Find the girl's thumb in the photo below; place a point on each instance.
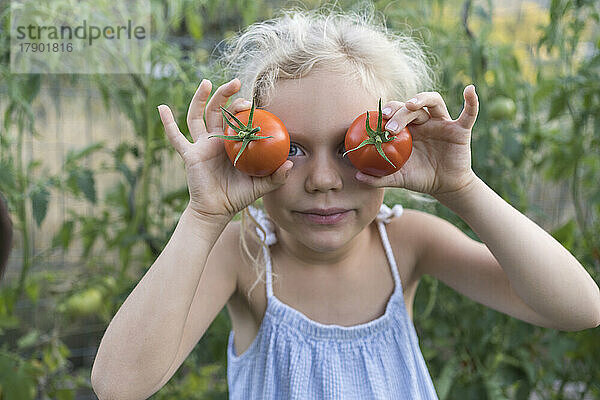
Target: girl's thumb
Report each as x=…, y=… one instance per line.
x=276, y=179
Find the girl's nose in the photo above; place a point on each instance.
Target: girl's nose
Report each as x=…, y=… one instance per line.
x=324, y=175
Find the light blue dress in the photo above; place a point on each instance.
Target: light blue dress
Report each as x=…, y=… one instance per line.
x=294, y=357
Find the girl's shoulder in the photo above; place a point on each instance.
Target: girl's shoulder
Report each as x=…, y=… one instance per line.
x=400, y=231
x=411, y=223
x=409, y=234
x=435, y=242
x=404, y=226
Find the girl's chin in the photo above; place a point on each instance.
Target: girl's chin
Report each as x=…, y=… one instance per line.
x=323, y=241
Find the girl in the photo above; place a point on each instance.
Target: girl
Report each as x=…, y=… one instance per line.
x=337, y=269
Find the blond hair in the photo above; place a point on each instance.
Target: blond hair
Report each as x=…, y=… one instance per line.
x=356, y=44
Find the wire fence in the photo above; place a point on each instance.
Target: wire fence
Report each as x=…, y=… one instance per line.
x=72, y=118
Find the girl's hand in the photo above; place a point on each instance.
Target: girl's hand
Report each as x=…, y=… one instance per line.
x=440, y=161
x=217, y=189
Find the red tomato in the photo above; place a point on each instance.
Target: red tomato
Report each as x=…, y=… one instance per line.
x=367, y=158
x=258, y=152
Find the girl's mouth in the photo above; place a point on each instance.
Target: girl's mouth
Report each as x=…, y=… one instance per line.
x=328, y=219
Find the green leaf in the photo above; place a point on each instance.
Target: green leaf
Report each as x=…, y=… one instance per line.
x=31, y=88
x=493, y=387
x=557, y=106
x=180, y=194
x=74, y=155
x=29, y=340
x=104, y=92
x=32, y=289
x=39, y=202
x=7, y=176
x=64, y=235
x=566, y=234
x=64, y=394
x=193, y=21
x=33, y=166
x=15, y=383
x=125, y=100
x=86, y=183
x=446, y=378
x=8, y=115
x=89, y=233
x=121, y=166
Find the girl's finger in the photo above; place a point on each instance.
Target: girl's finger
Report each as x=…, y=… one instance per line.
x=393, y=180
x=433, y=101
x=214, y=118
x=179, y=142
x=469, y=113
x=404, y=116
x=239, y=105
x=390, y=108
x=195, y=116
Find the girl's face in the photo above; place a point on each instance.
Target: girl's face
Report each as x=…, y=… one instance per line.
x=317, y=110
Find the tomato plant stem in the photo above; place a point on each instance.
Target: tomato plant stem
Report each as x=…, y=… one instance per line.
x=376, y=137
x=245, y=133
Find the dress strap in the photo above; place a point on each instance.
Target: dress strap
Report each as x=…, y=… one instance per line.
x=269, y=280
x=267, y=233
x=385, y=216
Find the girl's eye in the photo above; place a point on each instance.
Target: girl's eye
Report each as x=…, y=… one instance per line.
x=294, y=150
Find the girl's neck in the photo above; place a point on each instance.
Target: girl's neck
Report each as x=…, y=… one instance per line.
x=296, y=253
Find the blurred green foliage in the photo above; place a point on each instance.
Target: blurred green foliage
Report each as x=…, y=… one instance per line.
x=537, y=76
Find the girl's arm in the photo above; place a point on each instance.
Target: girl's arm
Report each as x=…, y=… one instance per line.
x=194, y=276
x=544, y=275
x=520, y=270
x=149, y=337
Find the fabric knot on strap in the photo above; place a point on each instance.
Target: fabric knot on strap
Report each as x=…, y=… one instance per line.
x=260, y=217
x=386, y=214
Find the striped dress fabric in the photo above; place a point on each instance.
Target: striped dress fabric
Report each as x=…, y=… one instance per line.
x=294, y=357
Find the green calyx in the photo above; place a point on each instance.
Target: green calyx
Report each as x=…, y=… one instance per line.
x=245, y=133
x=376, y=137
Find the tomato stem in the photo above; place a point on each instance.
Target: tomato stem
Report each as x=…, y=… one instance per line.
x=245, y=133
x=376, y=137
